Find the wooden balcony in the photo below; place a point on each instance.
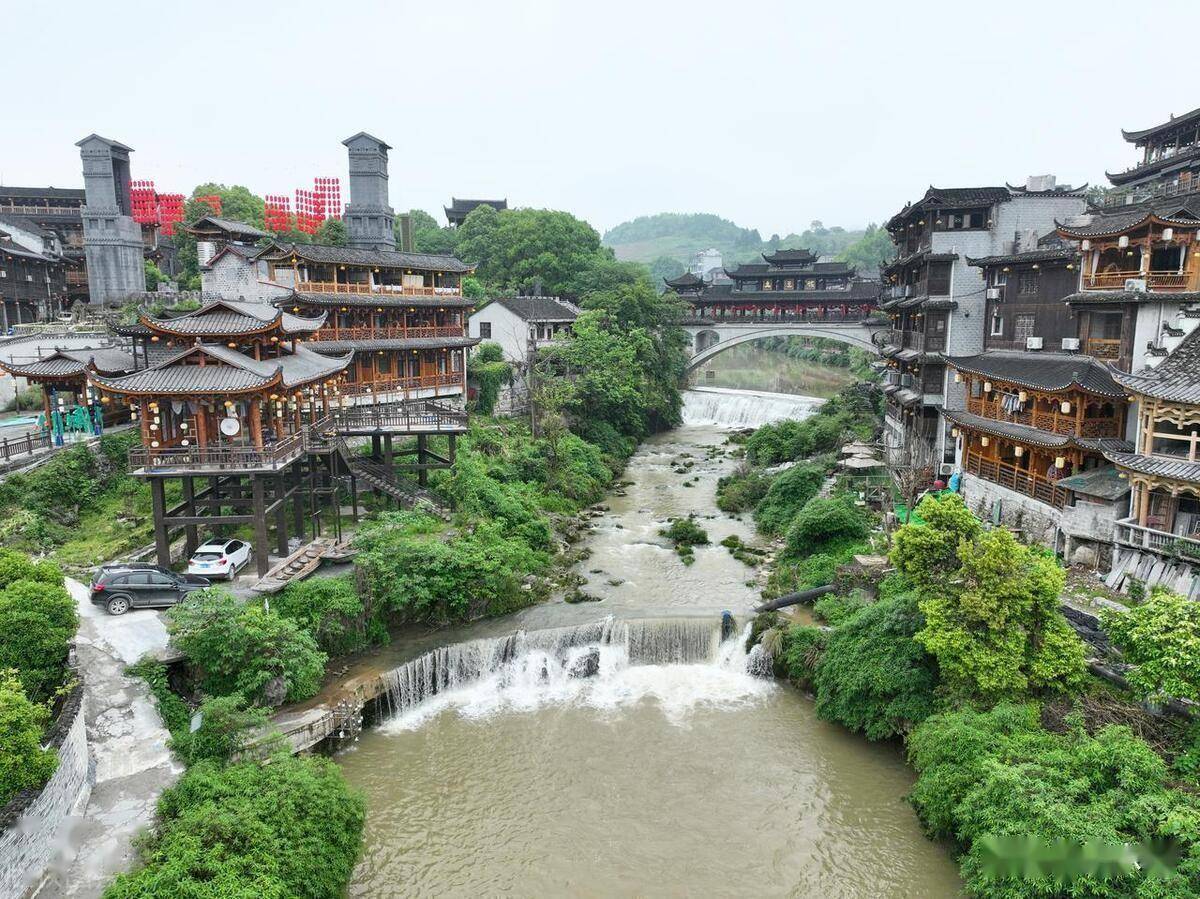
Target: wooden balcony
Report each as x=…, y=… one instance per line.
x=1028, y=483
x=403, y=384
x=1054, y=422
x=396, y=290
x=166, y=459
x=389, y=332
x=1154, y=280
x=1130, y=533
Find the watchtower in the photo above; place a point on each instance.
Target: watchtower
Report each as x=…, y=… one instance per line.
x=112, y=240
x=368, y=216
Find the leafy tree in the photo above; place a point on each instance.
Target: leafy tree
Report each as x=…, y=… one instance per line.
x=873, y=676
x=604, y=274
x=291, y=828
x=242, y=648
x=869, y=251
x=154, y=275
x=332, y=612
x=825, y=521
x=665, y=268
x=428, y=236
x=928, y=556
x=224, y=723
x=39, y=624
x=1160, y=640
x=238, y=204
x=332, y=232
x=788, y=493
x=24, y=765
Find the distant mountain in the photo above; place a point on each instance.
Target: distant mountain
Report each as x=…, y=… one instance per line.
x=674, y=237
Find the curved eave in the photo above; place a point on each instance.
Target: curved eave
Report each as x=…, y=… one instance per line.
x=115, y=387
x=30, y=371
x=161, y=326
x=340, y=363
x=1041, y=388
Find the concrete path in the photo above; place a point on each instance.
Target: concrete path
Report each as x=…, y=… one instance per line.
x=128, y=744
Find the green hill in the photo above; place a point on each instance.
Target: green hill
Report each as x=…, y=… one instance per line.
x=671, y=237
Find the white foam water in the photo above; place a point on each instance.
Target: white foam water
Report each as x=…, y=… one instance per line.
x=725, y=408
x=678, y=664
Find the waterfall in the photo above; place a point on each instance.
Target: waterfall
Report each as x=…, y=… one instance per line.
x=679, y=662
x=743, y=408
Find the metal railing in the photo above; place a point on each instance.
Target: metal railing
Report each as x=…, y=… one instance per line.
x=1026, y=482
x=25, y=445
x=1165, y=543
x=383, y=289
x=1054, y=422
x=800, y=318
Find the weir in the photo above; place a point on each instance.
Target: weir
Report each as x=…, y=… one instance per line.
x=726, y=408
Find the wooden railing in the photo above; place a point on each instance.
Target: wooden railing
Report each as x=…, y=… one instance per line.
x=383, y=289
x=38, y=210
x=24, y=445
x=1053, y=422
x=1131, y=533
x=388, y=332
x=221, y=458
x=389, y=385
x=1154, y=280
x=421, y=416
x=1026, y=482
x=1104, y=347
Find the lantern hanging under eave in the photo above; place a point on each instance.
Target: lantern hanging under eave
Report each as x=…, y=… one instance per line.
x=954, y=432
x=987, y=386
x=1065, y=407
x=1018, y=451
x=1022, y=396
x=1123, y=241
x=958, y=377
x=984, y=441
x=1060, y=461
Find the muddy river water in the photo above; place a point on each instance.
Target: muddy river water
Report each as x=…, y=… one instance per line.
x=622, y=747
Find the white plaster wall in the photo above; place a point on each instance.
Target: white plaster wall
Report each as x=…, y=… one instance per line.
x=509, y=330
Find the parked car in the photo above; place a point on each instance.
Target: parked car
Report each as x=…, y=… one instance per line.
x=119, y=588
x=219, y=558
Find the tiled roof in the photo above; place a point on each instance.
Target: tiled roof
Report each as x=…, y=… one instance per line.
x=1183, y=211
x=1173, y=122
x=1042, y=371
x=859, y=291
x=336, y=347
x=687, y=280
x=920, y=256
x=320, y=253
x=1049, y=255
x=230, y=318
x=1117, y=297
x=387, y=300
x=1104, y=482
x=1185, y=158
x=53, y=193
x=228, y=371
x=1029, y=435
x=67, y=363
x=16, y=249
x=1175, y=379
x=540, y=309
x=1157, y=466
x=241, y=229
x=782, y=257
x=462, y=208
x=763, y=269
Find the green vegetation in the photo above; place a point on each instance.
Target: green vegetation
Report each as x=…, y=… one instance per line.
x=488, y=371
x=24, y=765
x=1160, y=639
x=686, y=535
x=854, y=414
x=331, y=611
x=788, y=493
x=824, y=522
x=288, y=829
x=237, y=647
x=742, y=490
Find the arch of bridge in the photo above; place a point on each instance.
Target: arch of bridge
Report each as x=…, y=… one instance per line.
x=855, y=334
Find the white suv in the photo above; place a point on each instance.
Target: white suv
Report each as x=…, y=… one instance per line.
x=219, y=558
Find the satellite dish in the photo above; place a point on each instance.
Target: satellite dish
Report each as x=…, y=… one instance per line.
x=230, y=427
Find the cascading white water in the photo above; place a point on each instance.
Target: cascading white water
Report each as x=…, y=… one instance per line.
x=680, y=663
x=743, y=408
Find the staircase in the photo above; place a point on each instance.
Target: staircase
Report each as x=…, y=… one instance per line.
x=380, y=477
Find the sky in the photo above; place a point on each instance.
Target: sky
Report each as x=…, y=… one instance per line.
x=772, y=114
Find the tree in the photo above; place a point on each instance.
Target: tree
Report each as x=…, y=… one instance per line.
x=154, y=275
x=665, y=268
x=870, y=251
x=243, y=648
x=825, y=521
x=928, y=555
x=238, y=204
x=428, y=236
x=24, y=765
x=332, y=232
x=1160, y=639
x=787, y=495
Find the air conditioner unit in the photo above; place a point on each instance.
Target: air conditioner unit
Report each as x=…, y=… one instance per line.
x=1135, y=285
x=946, y=468
x=3, y=273
x=1070, y=343
x=29, y=278
x=1033, y=343
x=994, y=293
x=906, y=380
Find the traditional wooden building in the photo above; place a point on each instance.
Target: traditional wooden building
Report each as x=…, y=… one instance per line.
x=59, y=211
x=458, y=210
x=69, y=402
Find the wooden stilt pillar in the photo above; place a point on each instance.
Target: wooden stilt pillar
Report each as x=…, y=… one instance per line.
x=281, y=530
x=158, y=502
x=453, y=447
x=190, y=541
x=422, y=449
x=262, y=551
x=298, y=502
x=354, y=499
x=376, y=451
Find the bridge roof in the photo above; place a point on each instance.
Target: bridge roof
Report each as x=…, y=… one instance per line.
x=859, y=291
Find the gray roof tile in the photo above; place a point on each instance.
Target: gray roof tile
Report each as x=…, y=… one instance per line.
x=1042, y=371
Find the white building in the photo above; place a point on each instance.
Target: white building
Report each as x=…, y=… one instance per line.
x=520, y=324
x=705, y=263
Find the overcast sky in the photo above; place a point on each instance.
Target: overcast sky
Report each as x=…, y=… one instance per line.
x=771, y=114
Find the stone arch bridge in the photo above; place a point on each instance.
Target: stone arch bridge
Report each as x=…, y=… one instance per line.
x=710, y=337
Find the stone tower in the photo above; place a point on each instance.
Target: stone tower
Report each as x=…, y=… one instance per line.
x=368, y=216
x=112, y=240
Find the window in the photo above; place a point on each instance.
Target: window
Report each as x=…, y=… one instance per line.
x=1023, y=327
x=138, y=578
x=485, y=329
x=999, y=279
x=997, y=329
x=158, y=579
x=1028, y=283
x=383, y=363
x=939, y=278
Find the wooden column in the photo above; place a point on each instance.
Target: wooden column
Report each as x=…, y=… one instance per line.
x=143, y=415
x=256, y=422
x=1143, y=503
x=422, y=448
x=202, y=429
x=190, y=541
x=262, y=553
x=281, y=534
x=158, y=502
x=298, y=499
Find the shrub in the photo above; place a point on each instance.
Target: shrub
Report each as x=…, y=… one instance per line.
x=927, y=554
x=291, y=828
x=243, y=648
x=825, y=521
x=742, y=491
x=477, y=495
x=1160, y=639
x=332, y=612
x=686, y=535
x=787, y=495
x=873, y=677
x=834, y=609
x=39, y=622
x=224, y=723
x=802, y=648
x=24, y=765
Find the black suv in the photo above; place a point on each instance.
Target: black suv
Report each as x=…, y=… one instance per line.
x=120, y=588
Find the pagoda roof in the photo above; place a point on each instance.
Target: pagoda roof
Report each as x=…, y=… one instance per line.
x=226, y=372
x=72, y=363
x=860, y=291
x=1053, y=372
x=229, y=226
x=1035, y=436
x=770, y=270
x=1157, y=466
x=1174, y=379
x=1173, y=122
x=1167, y=163
x=464, y=207
x=231, y=318
x=386, y=300
x=325, y=254
x=686, y=281
x=1053, y=254
x=1178, y=212
x=337, y=347
x=784, y=257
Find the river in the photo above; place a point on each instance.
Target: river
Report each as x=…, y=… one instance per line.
x=671, y=770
